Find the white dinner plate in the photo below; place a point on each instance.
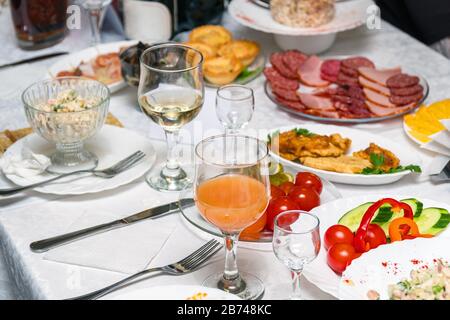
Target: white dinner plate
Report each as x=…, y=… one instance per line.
x=386, y=265
x=349, y=15
x=72, y=60
x=180, y=292
x=360, y=140
x=111, y=145
x=329, y=214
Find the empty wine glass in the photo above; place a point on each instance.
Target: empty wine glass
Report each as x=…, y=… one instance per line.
x=234, y=107
x=296, y=242
x=96, y=10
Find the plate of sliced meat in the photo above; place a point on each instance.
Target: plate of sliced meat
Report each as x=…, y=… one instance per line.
x=341, y=89
x=101, y=63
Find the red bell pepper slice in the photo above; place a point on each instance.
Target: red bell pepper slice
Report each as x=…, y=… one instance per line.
x=359, y=241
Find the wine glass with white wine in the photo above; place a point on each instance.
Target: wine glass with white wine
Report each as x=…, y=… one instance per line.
x=171, y=93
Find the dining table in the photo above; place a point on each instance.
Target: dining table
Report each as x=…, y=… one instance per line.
x=100, y=260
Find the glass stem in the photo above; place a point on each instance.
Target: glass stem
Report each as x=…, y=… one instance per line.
x=231, y=281
x=231, y=270
x=296, y=293
x=95, y=20
x=172, y=168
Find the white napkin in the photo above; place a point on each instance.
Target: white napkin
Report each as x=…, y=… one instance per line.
x=127, y=250
x=25, y=165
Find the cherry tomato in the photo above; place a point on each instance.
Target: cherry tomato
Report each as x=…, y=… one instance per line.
x=375, y=236
x=340, y=255
x=277, y=206
x=276, y=192
x=337, y=234
x=309, y=180
x=306, y=198
x=286, y=187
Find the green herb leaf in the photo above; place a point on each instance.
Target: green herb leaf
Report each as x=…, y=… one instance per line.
x=436, y=289
x=303, y=132
x=377, y=159
x=377, y=170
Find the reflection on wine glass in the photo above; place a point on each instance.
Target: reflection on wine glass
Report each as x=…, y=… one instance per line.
x=296, y=242
x=171, y=92
x=231, y=191
x=234, y=107
x=96, y=10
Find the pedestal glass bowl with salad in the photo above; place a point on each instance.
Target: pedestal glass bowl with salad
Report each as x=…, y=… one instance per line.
x=67, y=111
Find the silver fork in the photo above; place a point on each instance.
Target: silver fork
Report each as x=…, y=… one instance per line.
x=185, y=266
x=107, y=173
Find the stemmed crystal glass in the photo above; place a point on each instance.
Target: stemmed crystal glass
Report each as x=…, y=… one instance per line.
x=171, y=93
x=232, y=191
x=235, y=105
x=296, y=242
x=96, y=10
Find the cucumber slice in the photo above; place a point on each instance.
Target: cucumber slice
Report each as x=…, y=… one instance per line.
x=384, y=215
x=433, y=220
x=352, y=219
x=415, y=205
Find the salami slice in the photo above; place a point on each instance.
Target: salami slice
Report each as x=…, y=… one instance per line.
x=293, y=59
x=402, y=100
x=356, y=92
x=350, y=72
x=357, y=62
x=408, y=91
x=285, y=94
x=402, y=80
x=359, y=109
x=343, y=79
x=276, y=59
x=331, y=67
x=277, y=80
x=328, y=78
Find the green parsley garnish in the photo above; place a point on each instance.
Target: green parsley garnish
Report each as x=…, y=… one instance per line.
x=378, y=160
x=303, y=132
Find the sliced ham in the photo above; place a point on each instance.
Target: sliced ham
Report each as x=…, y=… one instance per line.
x=314, y=102
x=378, y=76
x=374, y=86
x=379, y=99
x=309, y=72
x=382, y=112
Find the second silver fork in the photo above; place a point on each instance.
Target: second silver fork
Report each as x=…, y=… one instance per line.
x=107, y=173
x=187, y=265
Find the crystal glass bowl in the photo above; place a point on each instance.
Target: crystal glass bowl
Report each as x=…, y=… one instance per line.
x=67, y=129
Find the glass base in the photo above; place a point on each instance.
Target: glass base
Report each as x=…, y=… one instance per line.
x=69, y=162
x=164, y=182
x=248, y=288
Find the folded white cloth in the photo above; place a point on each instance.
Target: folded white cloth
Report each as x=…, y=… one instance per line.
x=25, y=165
x=127, y=250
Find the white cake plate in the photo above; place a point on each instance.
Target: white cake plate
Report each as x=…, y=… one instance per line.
x=349, y=15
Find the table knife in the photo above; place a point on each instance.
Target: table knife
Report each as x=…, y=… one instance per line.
x=33, y=59
x=50, y=243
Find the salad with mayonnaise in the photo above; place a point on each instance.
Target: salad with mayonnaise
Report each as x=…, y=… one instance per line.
x=431, y=283
x=69, y=101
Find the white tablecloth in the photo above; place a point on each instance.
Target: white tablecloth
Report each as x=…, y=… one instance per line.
x=34, y=277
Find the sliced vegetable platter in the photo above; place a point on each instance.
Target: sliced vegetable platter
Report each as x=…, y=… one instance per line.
x=431, y=217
